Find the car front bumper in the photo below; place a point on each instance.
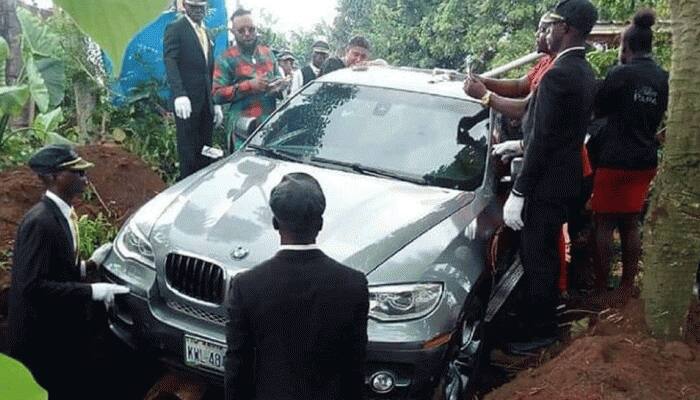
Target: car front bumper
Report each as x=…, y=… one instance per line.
x=415, y=369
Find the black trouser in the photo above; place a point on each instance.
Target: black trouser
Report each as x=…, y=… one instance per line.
x=193, y=133
x=539, y=252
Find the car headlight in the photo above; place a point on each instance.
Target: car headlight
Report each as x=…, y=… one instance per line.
x=132, y=244
x=391, y=303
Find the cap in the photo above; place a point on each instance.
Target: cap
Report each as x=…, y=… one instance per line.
x=581, y=14
x=57, y=157
x=321, y=46
x=285, y=55
x=548, y=19
x=196, y=2
x=297, y=201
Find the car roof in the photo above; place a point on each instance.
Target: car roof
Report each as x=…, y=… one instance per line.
x=438, y=82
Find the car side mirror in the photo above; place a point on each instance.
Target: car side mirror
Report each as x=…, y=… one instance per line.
x=244, y=127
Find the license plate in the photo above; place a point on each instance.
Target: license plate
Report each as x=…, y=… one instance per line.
x=204, y=353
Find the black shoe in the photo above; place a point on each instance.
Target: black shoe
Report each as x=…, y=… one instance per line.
x=530, y=347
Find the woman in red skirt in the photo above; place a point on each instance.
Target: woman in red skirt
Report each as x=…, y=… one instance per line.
x=633, y=98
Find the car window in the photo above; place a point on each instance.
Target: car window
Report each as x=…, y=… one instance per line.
x=442, y=140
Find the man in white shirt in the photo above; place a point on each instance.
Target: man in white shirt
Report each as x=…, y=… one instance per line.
x=310, y=72
x=48, y=325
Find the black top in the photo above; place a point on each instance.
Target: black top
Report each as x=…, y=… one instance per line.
x=297, y=330
x=188, y=72
x=554, y=128
x=308, y=75
x=634, y=98
x=331, y=65
x=47, y=303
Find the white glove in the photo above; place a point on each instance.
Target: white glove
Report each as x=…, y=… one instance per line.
x=105, y=292
x=513, y=212
x=508, y=149
x=100, y=254
x=183, y=108
x=218, y=115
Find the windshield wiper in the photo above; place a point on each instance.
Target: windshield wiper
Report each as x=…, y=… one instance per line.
x=365, y=170
x=275, y=153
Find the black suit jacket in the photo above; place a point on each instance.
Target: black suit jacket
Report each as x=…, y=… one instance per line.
x=297, y=330
x=47, y=303
x=554, y=128
x=188, y=72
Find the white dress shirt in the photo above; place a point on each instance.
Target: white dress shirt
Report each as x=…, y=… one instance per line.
x=66, y=211
x=299, y=247
x=298, y=78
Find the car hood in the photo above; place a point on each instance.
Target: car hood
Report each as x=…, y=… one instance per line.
x=367, y=219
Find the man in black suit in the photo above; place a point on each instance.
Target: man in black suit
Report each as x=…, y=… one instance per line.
x=310, y=72
x=298, y=322
x=551, y=178
x=189, y=65
x=48, y=327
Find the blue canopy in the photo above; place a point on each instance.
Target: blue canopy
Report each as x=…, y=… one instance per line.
x=143, y=60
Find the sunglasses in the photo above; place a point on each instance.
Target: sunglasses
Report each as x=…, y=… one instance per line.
x=80, y=172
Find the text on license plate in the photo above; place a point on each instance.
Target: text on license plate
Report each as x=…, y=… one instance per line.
x=204, y=353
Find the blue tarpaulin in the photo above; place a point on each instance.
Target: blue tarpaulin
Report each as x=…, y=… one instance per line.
x=143, y=60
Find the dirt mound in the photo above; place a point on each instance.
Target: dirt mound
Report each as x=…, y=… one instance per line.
x=123, y=183
x=615, y=360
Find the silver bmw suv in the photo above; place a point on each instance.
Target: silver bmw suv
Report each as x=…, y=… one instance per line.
x=402, y=156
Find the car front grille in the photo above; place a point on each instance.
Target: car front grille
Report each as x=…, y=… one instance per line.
x=195, y=278
x=198, y=313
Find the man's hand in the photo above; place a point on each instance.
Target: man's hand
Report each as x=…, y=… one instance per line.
x=508, y=149
x=513, y=211
x=183, y=108
x=105, y=292
x=278, y=85
x=259, y=85
x=473, y=87
x=218, y=115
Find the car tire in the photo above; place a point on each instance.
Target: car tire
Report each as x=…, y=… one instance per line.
x=467, y=356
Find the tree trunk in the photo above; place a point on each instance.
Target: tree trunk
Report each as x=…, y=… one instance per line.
x=10, y=31
x=672, y=229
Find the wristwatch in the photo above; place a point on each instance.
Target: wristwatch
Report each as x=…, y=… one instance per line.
x=486, y=99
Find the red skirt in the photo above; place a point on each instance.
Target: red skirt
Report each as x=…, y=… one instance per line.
x=619, y=190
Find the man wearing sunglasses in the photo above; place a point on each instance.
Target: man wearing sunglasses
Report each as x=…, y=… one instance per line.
x=246, y=76
x=49, y=299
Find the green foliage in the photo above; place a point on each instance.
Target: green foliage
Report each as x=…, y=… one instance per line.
x=602, y=61
x=41, y=82
x=4, y=53
x=53, y=73
x=37, y=85
x=268, y=35
x=16, y=150
x=36, y=36
x=442, y=33
x=94, y=232
x=112, y=23
x=300, y=41
x=622, y=10
x=148, y=129
x=23, y=386
x=354, y=18
x=12, y=99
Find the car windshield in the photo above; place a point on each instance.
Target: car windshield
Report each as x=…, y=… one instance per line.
x=417, y=137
